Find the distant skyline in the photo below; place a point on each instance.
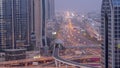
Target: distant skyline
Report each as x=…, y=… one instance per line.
x=82, y=6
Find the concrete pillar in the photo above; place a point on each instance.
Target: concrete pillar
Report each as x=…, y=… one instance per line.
x=59, y=64
x=44, y=61
x=26, y=64
x=56, y=63
x=66, y=66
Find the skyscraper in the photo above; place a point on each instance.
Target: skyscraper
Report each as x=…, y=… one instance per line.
x=40, y=23
x=50, y=9
x=110, y=30
x=39, y=10
x=44, y=16
x=21, y=22
x=15, y=20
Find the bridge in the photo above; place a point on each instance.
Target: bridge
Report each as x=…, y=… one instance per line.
x=67, y=62
x=82, y=47
x=25, y=61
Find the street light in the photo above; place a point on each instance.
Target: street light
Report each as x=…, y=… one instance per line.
x=54, y=33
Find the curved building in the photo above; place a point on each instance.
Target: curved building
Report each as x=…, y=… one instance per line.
x=110, y=30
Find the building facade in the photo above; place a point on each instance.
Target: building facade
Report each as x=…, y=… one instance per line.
x=110, y=31
x=22, y=23
x=15, y=23
x=50, y=9
x=40, y=24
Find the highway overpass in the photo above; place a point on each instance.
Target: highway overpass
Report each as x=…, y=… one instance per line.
x=68, y=62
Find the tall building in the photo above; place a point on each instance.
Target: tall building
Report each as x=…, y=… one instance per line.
x=44, y=16
x=15, y=23
x=40, y=24
x=110, y=30
x=39, y=10
x=50, y=9
x=22, y=23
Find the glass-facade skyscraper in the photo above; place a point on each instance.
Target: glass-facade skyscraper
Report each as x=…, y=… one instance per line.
x=15, y=23
x=110, y=30
x=21, y=22
x=50, y=9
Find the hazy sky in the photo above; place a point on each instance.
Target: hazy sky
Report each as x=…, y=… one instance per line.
x=78, y=5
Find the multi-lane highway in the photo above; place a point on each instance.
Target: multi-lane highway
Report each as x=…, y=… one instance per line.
x=77, y=33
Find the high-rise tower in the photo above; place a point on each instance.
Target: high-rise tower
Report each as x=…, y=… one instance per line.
x=50, y=9
x=110, y=30
x=22, y=23
x=14, y=23
x=40, y=24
